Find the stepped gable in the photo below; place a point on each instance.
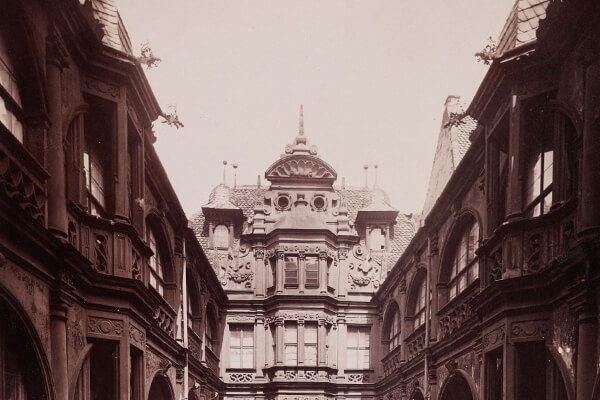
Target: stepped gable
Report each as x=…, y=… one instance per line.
x=521, y=25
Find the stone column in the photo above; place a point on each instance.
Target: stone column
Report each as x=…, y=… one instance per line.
x=402, y=312
x=300, y=347
x=58, y=347
x=279, y=272
x=323, y=272
x=589, y=211
x=341, y=344
x=121, y=211
x=260, y=345
x=586, y=352
x=492, y=177
x=514, y=203
x=301, y=271
x=57, y=202
x=260, y=277
x=321, y=343
x=279, y=341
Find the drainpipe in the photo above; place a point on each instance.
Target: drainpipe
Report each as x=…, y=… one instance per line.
x=185, y=324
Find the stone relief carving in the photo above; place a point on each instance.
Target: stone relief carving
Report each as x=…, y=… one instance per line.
x=105, y=326
x=494, y=337
x=103, y=87
x=454, y=319
x=100, y=252
x=539, y=328
x=300, y=167
x=136, y=335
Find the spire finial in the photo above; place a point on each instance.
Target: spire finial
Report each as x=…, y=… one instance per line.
x=301, y=127
x=366, y=167
x=224, y=176
x=234, y=165
x=375, y=185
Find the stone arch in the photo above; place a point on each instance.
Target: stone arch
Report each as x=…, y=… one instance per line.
x=155, y=223
x=417, y=395
x=466, y=219
x=417, y=284
x=391, y=338
x=17, y=332
x=161, y=388
x=458, y=386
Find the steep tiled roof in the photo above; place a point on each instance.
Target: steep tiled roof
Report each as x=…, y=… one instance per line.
x=521, y=24
x=115, y=35
x=353, y=199
x=453, y=143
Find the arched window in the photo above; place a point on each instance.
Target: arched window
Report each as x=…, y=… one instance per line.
x=10, y=100
x=156, y=265
x=464, y=268
x=393, y=327
x=221, y=237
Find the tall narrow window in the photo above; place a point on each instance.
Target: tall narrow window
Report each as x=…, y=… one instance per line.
x=241, y=346
x=156, y=266
x=310, y=343
x=312, y=272
x=290, y=343
x=211, y=330
x=465, y=268
x=419, y=305
x=291, y=271
x=10, y=100
x=358, y=347
x=393, y=328
x=538, y=183
x=99, y=126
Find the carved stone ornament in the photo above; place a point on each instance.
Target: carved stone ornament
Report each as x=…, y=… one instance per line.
x=494, y=337
x=299, y=166
x=539, y=328
x=103, y=88
x=105, y=326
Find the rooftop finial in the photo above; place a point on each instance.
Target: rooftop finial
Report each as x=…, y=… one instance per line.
x=366, y=167
x=224, y=176
x=375, y=185
x=301, y=127
x=234, y=165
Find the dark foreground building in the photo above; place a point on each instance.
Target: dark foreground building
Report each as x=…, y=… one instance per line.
x=302, y=288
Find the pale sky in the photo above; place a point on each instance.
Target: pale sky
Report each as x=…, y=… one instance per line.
x=372, y=75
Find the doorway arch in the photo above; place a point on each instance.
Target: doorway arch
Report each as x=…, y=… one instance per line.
x=161, y=389
x=456, y=387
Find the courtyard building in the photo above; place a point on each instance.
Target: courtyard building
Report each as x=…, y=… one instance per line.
x=297, y=287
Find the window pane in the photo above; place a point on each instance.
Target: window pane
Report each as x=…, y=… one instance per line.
x=310, y=332
x=247, y=358
x=221, y=237
x=291, y=271
x=548, y=161
x=310, y=355
x=352, y=358
x=312, y=272
x=291, y=352
x=235, y=338
x=248, y=337
x=364, y=358
x=235, y=357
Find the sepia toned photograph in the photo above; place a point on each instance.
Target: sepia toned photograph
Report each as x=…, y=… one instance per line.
x=299, y=200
